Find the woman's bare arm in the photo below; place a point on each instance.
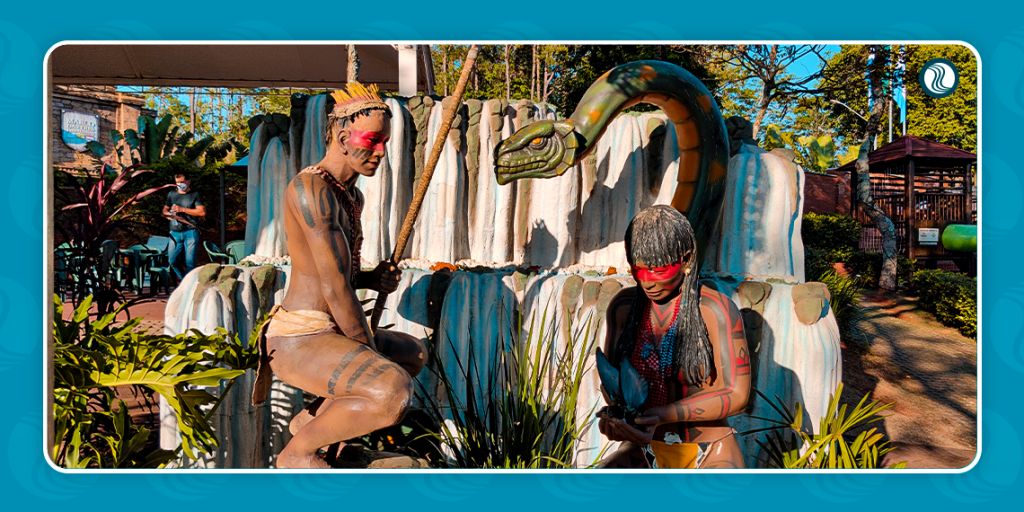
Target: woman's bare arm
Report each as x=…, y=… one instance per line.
x=727, y=394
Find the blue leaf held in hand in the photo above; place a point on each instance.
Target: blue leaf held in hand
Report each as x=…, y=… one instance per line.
x=609, y=377
x=634, y=387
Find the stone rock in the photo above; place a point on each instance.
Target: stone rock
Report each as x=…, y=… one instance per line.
x=810, y=301
x=357, y=457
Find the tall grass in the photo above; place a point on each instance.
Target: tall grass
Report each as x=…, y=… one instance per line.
x=522, y=413
x=844, y=299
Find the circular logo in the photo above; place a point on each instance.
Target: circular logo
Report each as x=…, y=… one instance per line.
x=939, y=78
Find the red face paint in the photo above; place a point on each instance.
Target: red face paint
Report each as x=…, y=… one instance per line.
x=367, y=140
x=657, y=273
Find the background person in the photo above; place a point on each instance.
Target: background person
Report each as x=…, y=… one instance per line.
x=183, y=207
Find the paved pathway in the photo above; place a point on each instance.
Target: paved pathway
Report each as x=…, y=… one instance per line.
x=928, y=370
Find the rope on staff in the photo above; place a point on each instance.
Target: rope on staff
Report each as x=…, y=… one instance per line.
x=428, y=172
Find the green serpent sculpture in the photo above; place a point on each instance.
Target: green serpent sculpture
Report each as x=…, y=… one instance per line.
x=546, y=149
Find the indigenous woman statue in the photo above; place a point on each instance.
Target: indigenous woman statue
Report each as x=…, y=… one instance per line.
x=686, y=341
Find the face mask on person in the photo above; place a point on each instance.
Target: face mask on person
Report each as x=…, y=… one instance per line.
x=182, y=187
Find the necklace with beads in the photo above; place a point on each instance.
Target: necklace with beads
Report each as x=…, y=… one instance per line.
x=354, y=212
x=654, y=361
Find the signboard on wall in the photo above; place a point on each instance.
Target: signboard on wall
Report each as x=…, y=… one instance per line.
x=77, y=128
x=928, y=236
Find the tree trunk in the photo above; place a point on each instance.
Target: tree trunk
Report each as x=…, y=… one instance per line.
x=767, y=88
x=762, y=109
x=508, y=80
x=887, y=279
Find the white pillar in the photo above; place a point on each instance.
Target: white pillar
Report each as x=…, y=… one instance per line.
x=407, y=70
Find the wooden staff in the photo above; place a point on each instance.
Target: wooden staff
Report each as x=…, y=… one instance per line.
x=428, y=172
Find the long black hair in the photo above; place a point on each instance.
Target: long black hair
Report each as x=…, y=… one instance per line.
x=659, y=236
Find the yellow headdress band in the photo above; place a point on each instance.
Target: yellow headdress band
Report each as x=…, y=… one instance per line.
x=359, y=97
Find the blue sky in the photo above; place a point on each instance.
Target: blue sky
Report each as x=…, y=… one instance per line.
x=809, y=64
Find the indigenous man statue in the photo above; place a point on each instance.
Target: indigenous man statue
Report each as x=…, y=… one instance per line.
x=318, y=339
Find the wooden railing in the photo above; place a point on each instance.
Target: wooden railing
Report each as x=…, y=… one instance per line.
x=949, y=207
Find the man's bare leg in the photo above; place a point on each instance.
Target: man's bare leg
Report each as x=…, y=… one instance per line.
x=364, y=391
x=405, y=350
x=305, y=415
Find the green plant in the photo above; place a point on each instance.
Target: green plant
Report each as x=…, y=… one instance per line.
x=522, y=414
x=816, y=154
x=834, y=236
x=952, y=297
x=91, y=359
x=868, y=265
x=843, y=298
x=159, y=140
x=92, y=210
x=788, y=445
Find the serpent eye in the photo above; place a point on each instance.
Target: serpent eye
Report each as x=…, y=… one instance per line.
x=538, y=143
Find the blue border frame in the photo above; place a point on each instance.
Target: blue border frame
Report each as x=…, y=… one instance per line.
x=28, y=29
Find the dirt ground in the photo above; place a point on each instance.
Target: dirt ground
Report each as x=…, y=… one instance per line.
x=900, y=353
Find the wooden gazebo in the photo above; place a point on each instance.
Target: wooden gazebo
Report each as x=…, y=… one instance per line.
x=922, y=186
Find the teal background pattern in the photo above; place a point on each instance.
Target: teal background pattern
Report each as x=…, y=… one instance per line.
x=29, y=29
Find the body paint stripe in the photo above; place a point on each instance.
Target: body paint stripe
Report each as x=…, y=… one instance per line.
x=345, y=361
x=356, y=374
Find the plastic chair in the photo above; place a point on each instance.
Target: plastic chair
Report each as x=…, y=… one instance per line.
x=159, y=242
x=63, y=259
x=108, y=270
x=215, y=255
x=236, y=249
x=146, y=260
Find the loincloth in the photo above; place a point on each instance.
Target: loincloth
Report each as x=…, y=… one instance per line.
x=300, y=323
x=282, y=323
x=683, y=455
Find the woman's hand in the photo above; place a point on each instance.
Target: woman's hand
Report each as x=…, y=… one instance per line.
x=617, y=430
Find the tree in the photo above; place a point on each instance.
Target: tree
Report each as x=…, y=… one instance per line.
x=767, y=67
x=879, y=73
x=952, y=120
x=582, y=65
x=846, y=93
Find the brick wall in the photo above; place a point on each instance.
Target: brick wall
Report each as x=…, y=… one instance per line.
x=827, y=193
x=116, y=111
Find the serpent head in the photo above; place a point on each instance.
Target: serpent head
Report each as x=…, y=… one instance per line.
x=543, y=149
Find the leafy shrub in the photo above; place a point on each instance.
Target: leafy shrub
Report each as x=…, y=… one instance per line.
x=817, y=262
x=868, y=265
x=952, y=297
x=831, y=235
x=91, y=359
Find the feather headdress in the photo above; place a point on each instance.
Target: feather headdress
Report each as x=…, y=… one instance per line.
x=359, y=97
